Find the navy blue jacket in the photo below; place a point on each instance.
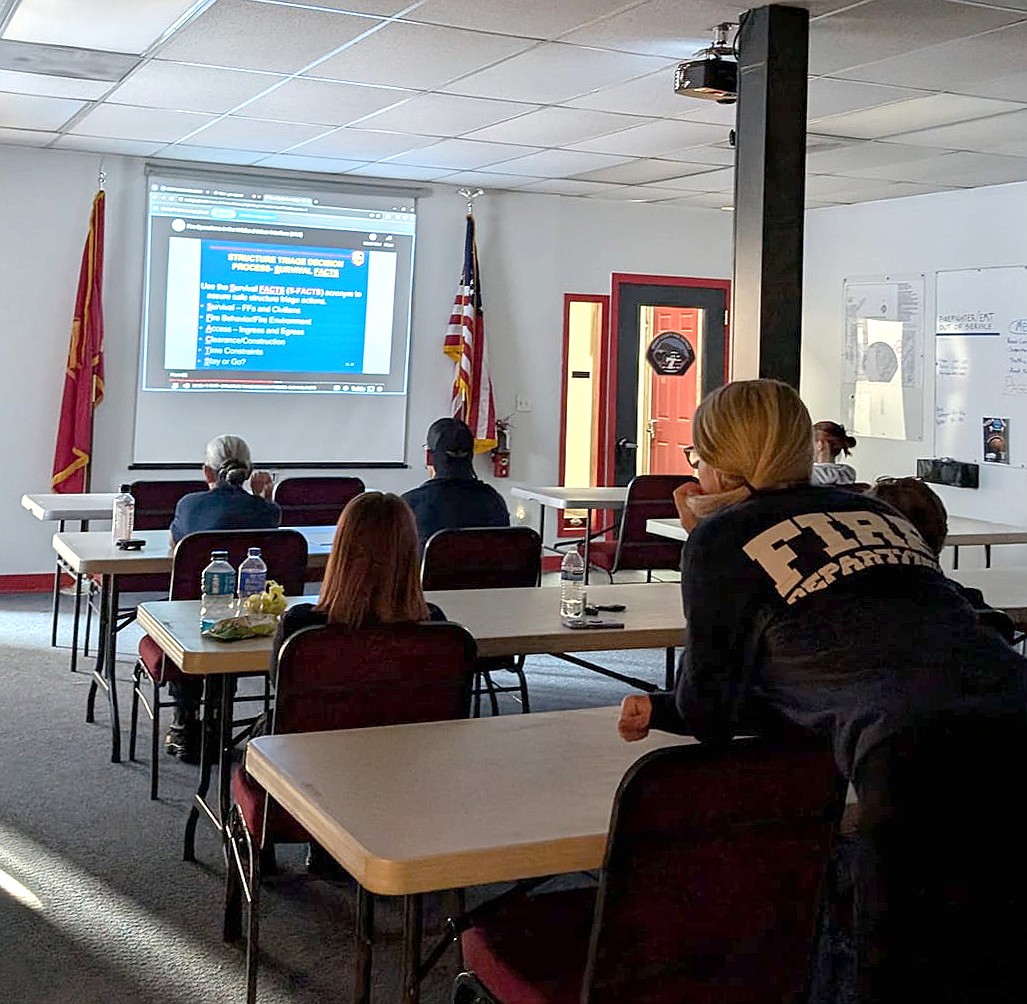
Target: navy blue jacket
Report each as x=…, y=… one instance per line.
x=223, y=507
x=455, y=504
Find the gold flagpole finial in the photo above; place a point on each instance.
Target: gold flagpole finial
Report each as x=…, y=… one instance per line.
x=470, y=194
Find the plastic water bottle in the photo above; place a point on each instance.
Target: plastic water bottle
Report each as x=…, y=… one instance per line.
x=123, y=515
x=218, y=586
x=572, y=586
x=252, y=576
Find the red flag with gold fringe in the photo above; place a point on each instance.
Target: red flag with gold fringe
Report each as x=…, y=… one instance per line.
x=83, y=378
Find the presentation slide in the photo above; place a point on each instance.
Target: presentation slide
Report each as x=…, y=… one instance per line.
x=260, y=288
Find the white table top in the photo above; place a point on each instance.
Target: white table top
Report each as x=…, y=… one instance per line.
x=559, y=497
x=54, y=507
x=502, y=622
x=415, y=808
x=94, y=553
x=1003, y=588
x=962, y=531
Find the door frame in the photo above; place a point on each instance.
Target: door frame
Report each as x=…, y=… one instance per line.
x=610, y=350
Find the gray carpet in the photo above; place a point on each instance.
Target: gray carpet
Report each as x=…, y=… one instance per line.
x=96, y=904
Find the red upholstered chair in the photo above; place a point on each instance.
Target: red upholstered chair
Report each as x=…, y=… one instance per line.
x=710, y=893
x=650, y=496
x=334, y=678
x=315, y=502
x=155, y=503
x=486, y=558
x=285, y=554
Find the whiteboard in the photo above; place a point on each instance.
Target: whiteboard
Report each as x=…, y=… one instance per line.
x=883, y=357
x=981, y=364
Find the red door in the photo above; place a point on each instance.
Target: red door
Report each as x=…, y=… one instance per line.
x=673, y=399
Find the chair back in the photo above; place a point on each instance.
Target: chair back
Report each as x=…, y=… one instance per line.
x=482, y=558
x=315, y=501
x=156, y=501
x=650, y=496
x=284, y=553
x=714, y=867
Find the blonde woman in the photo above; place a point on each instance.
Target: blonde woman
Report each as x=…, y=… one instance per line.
x=819, y=607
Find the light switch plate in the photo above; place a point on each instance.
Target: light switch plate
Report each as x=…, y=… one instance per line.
x=522, y=403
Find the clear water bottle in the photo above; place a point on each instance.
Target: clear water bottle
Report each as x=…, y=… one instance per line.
x=123, y=515
x=218, y=590
x=572, y=586
x=252, y=576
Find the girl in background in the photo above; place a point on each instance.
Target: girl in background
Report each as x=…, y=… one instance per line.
x=830, y=440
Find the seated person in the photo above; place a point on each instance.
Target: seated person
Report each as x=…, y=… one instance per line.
x=920, y=504
x=829, y=441
x=453, y=497
x=226, y=505
x=372, y=575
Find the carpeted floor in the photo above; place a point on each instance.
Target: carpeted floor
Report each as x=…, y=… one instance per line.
x=96, y=904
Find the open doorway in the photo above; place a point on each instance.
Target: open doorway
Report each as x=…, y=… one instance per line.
x=650, y=420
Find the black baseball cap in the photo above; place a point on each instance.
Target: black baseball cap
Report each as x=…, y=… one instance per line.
x=452, y=446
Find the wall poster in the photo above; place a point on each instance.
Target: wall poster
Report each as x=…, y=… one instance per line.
x=883, y=357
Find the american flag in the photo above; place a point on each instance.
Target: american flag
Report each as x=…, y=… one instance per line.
x=465, y=345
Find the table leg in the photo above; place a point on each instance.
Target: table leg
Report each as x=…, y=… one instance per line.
x=955, y=558
x=55, y=601
x=365, y=946
x=226, y=750
x=110, y=666
x=412, y=923
x=74, y=623
x=98, y=668
x=670, y=669
x=987, y=555
x=211, y=738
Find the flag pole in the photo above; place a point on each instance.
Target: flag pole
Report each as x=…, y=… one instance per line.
x=470, y=194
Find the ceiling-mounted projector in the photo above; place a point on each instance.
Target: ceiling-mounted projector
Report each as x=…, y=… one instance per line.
x=712, y=73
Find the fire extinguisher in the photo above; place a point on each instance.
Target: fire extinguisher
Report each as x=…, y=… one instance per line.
x=501, y=451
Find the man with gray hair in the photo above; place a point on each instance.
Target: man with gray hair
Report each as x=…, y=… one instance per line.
x=225, y=506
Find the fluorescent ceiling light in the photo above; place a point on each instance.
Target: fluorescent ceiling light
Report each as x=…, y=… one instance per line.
x=115, y=25
x=63, y=61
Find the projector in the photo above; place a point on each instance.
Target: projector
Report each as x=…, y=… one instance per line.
x=711, y=77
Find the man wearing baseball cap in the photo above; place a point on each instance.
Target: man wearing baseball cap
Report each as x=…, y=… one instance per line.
x=453, y=497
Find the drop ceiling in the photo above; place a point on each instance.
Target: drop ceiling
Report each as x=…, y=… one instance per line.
x=572, y=97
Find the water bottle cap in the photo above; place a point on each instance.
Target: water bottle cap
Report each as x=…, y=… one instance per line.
x=218, y=555
x=125, y=489
x=254, y=552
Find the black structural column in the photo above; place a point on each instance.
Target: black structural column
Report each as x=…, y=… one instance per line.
x=770, y=185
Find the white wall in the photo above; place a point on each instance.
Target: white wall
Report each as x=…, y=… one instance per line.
x=926, y=234
x=533, y=248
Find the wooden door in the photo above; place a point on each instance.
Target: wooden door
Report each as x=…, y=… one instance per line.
x=673, y=399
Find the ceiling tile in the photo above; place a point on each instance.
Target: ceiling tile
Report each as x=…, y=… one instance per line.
x=52, y=87
x=719, y=155
x=421, y=56
x=718, y=180
x=100, y=144
x=129, y=122
x=651, y=96
x=25, y=137
x=362, y=144
x=960, y=169
x=323, y=102
x=489, y=181
x=1011, y=88
x=319, y=165
x=979, y=135
x=401, y=172
x=963, y=65
x=880, y=29
x=114, y=25
x=530, y=18
x=868, y=191
x=828, y=96
x=709, y=112
x=445, y=115
x=631, y=193
x=185, y=87
x=556, y=126
x=906, y=116
x=29, y=111
x=565, y=186
x=383, y=8
x=461, y=154
x=559, y=163
x=641, y=172
x=700, y=200
x=555, y=72
x=263, y=135
x=261, y=36
x=1014, y=148
x=656, y=139
x=853, y=160
x=211, y=154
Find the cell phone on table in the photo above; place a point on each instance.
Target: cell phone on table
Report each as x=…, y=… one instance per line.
x=591, y=623
x=131, y=544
